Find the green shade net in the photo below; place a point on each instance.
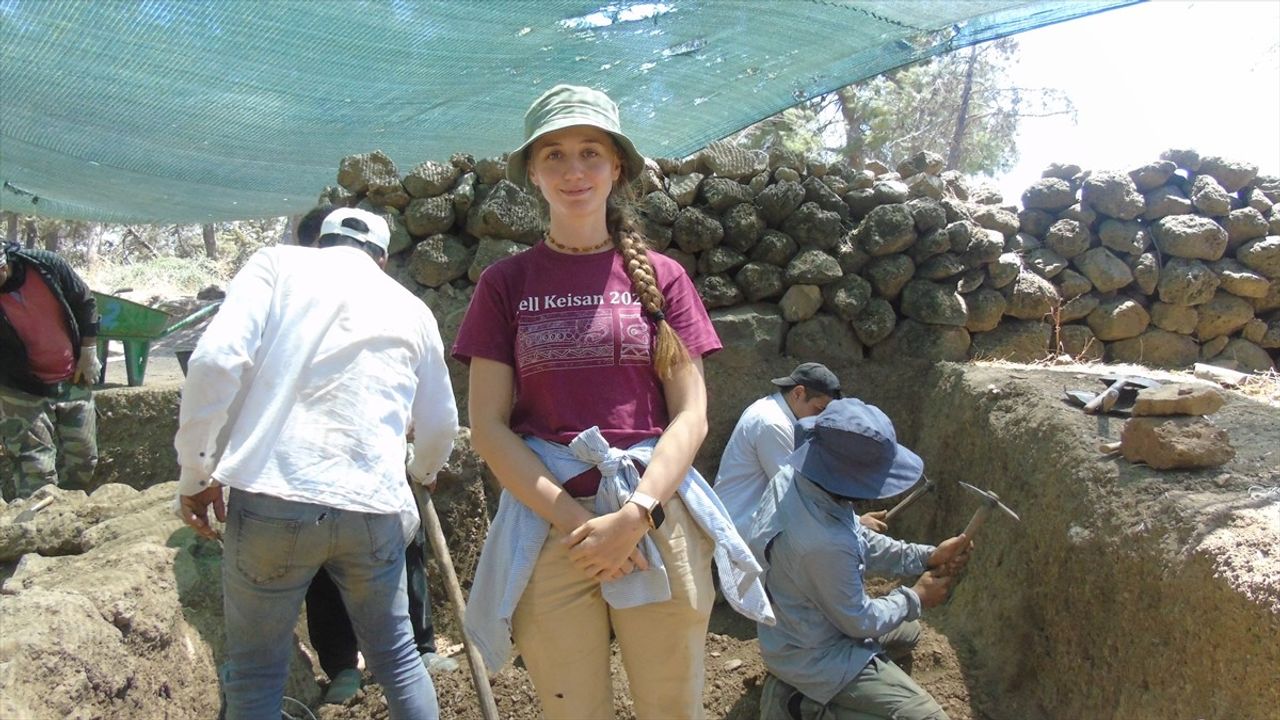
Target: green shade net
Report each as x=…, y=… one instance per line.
x=196, y=111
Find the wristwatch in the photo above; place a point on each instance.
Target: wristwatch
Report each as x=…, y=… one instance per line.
x=652, y=508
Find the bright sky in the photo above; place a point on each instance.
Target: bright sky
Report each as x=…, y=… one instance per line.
x=1145, y=78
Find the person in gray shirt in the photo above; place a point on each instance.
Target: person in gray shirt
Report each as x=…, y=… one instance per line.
x=829, y=654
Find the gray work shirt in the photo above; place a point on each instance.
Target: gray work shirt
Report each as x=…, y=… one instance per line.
x=815, y=553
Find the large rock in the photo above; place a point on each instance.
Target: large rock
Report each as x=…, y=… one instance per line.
x=743, y=226
x=890, y=192
x=1112, y=194
x=1242, y=355
x=1166, y=201
x=720, y=259
x=1175, y=443
x=359, y=173
x=800, y=302
x=1178, y=399
x=1047, y=263
x=759, y=281
x=733, y=161
x=817, y=191
x=778, y=201
x=1239, y=279
x=1262, y=255
x=1231, y=175
x=774, y=248
x=431, y=178
x=1155, y=348
x=941, y=267
x=1224, y=314
x=1190, y=236
x=932, y=303
x=1123, y=236
x=1208, y=197
x=811, y=225
x=924, y=161
x=490, y=251
x=812, y=267
x=1021, y=341
x=718, y=291
x=659, y=207
x=931, y=243
x=1186, y=282
x=683, y=188
x=1077, y=308
x=876, y=322
x=1181, y=319
x=751, y=335
x=1068, y=238
x=1077, y=341
x=438, y=260
x=927, y=342
x=1146, y=273
x=1104, y=270
x=824, y=339
x=889, y=274
x=1051, y=194
x=1031, y=297
x=429, y=215
x=1005, y=270
x=506, y=213
x=1118, y=319
x=721, y=193
x=1185, y=158
x=998, y=219
x=928, y=214
x=1243, y=225
x=985, y=246
x=847, y=297
x=984, y=308
x=888, y=229
x=1072, y=284
x=695, y=230
x=1152, y=175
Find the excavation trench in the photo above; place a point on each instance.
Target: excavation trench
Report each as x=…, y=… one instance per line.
x=1124, y=592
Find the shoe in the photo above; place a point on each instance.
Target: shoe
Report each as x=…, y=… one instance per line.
x=438, y=663
x=343, y=687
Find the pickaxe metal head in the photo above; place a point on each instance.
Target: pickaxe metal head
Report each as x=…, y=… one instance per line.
x=921, y=488
x=990, y=501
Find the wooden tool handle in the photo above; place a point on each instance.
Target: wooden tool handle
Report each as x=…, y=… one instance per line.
x=975, y=523
x=479, y=678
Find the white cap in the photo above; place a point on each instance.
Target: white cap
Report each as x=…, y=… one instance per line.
x=377, y=233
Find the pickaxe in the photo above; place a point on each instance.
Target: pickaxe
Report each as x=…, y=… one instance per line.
x=920, y=489
x=991, y=501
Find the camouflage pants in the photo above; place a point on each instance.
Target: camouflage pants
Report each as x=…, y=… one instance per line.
x=48, y=438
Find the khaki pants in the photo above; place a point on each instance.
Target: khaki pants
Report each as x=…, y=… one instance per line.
x=562, y=626
x=48, y=438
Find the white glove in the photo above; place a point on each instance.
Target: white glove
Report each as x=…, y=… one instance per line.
x=88, y=369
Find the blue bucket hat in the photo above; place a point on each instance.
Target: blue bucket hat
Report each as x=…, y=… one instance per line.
x=851, y=450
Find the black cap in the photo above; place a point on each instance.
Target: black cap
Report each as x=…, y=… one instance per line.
x=814, y=377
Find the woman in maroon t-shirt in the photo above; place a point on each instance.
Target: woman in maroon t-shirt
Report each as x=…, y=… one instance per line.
x=560, y=338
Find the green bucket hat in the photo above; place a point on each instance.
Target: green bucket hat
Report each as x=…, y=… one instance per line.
x=565, y=106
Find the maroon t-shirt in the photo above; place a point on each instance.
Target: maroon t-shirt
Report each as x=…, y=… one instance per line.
x=579, y=341
x=40, y=322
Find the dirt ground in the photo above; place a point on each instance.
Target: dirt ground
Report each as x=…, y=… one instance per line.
x=732, y=692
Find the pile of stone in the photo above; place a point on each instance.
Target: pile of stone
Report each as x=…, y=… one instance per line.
x=1174, y=263
x=1169, y=429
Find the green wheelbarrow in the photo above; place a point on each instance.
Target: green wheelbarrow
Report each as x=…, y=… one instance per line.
x=136, y=326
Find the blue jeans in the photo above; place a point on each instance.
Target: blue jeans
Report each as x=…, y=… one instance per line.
x=272, y=549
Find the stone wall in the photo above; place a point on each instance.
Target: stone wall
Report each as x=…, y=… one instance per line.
x=1172, y=263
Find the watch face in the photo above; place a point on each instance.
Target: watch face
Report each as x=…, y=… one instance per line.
x=657, y=515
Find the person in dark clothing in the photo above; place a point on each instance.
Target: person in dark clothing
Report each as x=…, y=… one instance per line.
x=48, y=362
x=328, y=624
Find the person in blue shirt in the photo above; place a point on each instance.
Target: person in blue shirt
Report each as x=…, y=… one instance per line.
x=829, y=653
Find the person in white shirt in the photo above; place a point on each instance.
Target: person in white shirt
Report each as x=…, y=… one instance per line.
x=764, y=438
x=298, y=397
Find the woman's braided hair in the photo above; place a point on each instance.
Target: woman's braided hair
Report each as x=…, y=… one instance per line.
x=620, y=219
